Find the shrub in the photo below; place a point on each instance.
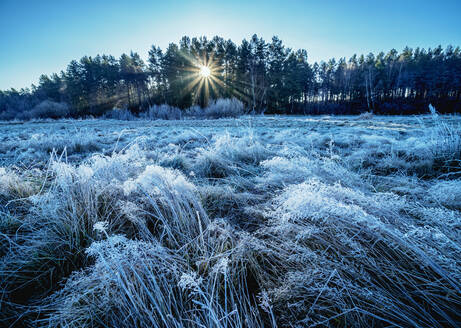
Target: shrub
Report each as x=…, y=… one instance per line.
x=195, y=112
x=365, y=116
x=48, y=109
x=224, y=108
x=120, y=114
x=8, y=115
x=220, y=108
x=162, y=112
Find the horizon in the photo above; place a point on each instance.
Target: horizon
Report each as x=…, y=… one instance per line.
x=43, y=38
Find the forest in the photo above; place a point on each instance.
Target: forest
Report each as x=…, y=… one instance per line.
x=268, y=77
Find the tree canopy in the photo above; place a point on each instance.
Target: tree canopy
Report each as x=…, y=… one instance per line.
x=265, y=76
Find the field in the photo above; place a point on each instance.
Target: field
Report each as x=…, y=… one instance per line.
x=272, y=221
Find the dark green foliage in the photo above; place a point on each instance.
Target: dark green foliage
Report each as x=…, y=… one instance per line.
x=265, y=76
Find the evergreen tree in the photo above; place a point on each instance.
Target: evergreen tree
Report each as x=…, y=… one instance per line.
x=264, y=76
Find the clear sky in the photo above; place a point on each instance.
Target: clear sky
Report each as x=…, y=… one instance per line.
x=40, y=36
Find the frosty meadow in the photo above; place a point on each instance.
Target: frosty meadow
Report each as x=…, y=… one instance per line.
x=257, y=221
x=230, y=164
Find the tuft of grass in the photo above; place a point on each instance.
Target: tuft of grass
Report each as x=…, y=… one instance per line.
x=444, y=145
x=229, y=155
x=365, y=116
x=341, y=257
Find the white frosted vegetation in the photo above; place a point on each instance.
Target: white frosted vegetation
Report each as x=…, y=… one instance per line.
x=447, y=193
x=358, y=255
x=231, y=155
x=250, y=222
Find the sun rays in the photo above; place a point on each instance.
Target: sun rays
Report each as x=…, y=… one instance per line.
x=204, y=77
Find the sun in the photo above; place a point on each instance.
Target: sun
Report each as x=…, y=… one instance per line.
x=205, y=79
x=205, y=72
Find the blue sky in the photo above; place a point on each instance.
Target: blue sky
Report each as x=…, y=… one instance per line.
x=44, y=36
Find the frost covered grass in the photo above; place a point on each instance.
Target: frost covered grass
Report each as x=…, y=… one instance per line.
x=224, y=108
x=249, y=222
x=163, y=112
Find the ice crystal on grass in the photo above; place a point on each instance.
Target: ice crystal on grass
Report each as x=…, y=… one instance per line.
x=221, y=266
x=101, y=226
x=229, y=155
x=190, y=281
x=447, y=193
x=242, y=222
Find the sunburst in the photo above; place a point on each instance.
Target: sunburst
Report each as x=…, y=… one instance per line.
x=206, y=79
x=205, y=72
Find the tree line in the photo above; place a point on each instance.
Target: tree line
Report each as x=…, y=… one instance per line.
x=266, y=76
